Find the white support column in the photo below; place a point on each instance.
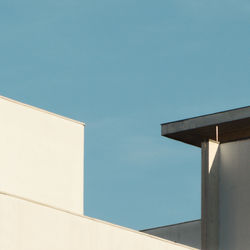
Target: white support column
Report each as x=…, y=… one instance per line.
x=210, y=196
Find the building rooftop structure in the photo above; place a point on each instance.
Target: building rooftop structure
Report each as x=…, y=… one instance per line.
x=223, y=126
x=41, y=185
x=224, y=139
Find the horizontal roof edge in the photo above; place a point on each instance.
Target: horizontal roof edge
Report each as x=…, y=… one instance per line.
x=41, y=110
x=233, y=125
x=200, y=116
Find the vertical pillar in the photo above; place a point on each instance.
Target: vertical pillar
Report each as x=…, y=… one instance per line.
x=210, y=196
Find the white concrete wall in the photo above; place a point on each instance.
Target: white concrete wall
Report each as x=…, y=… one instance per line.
x=234, y=193
x=41, y=156
x=187, y=233
x=25, y=225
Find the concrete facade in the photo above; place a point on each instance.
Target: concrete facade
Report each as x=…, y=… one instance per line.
x=41, y=155
x=186, y=233
x=210, y=195
x=41, y=188
x=28, y=225
x=234, y=190
x=41, y=185
x=226, y=200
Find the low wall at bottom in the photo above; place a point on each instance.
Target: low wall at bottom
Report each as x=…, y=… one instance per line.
x=28, y=225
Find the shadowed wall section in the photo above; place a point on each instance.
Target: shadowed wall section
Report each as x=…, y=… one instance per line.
x=234, y=189
x=187, y=233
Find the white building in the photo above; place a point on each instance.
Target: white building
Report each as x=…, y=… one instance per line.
x=224, y=139
x=41, y=185
x=41, y=188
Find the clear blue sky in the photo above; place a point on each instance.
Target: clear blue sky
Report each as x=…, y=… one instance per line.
x=124, y=67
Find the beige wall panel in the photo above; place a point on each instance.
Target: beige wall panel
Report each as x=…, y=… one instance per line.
x=27, y=226
x=41, y=156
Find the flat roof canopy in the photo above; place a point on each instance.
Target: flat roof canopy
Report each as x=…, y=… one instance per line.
x=232, y=125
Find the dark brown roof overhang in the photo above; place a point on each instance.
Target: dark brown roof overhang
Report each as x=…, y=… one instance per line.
x=231, y=125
